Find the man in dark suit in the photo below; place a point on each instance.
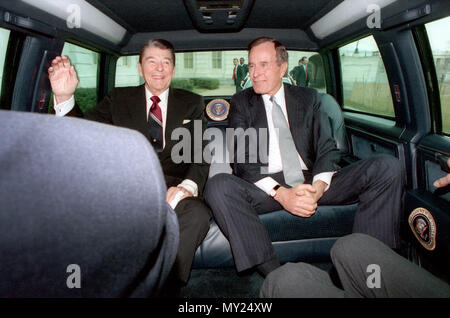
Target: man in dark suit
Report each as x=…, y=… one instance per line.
x=241, y=75
x=300, y=73
x=244, y=70
x=236, y=75
x=296, y=169
x=156, y=111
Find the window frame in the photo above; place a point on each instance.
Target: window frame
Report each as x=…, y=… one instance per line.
x=11, y=66
x=338, y=69
x=426, y=57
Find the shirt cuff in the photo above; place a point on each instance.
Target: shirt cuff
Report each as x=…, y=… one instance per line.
x=266, y=184
x=63, y=108
x=190, y=185
x=325, y=177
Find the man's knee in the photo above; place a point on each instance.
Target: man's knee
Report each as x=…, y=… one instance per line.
x=216, y=186
x=388, y=166
x=280, y=282
x=193, y=213
x=299, y=280
x=350, y=246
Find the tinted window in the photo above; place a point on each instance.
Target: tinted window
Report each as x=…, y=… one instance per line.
x=364, y=80
x=439, y=36
x=126, y=71
x=210, y=73
x=86, y=64
x=4, y=38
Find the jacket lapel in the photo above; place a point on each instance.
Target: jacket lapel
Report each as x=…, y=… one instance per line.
x=257, y=111
x=137, y=108
x=295, y=112
x=258, y=121
x=175, y=116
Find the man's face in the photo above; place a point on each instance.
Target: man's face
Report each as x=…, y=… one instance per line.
x=235, y=62
x=157, y=69
x=305, y=61
x=242, y=60
x=265, y=73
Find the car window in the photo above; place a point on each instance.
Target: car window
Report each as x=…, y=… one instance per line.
x=4, y=38
x=210, y=73
x=86, y=64
x=439, y=37
x=365, y=84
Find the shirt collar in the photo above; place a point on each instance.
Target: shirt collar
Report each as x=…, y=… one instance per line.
x=279, y=96
x=163, y=96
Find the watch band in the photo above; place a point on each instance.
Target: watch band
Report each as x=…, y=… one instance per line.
x=273, y=192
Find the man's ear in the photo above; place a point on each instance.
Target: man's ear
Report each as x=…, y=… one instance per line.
x=284, y=67
x=139, y=67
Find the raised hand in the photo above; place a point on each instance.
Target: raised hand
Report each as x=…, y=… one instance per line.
x=63, y=78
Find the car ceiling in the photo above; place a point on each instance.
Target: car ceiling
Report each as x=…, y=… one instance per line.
x=177, y=21
x=172, y=15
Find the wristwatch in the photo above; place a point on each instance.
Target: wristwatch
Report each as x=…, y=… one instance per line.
x=273, y=192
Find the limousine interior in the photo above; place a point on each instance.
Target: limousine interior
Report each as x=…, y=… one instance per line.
x=382, y=68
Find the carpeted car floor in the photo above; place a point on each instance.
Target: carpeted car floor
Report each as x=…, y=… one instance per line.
x=226, y=283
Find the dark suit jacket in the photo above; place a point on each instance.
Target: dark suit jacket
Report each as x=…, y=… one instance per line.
x=310, y=129
x=126, y=107
x=299, y=75
x=241, y=72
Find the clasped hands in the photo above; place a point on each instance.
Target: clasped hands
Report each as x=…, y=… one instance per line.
x=302, y=199
x=172, y=192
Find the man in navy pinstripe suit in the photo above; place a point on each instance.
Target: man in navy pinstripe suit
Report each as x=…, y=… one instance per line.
x=255, y=188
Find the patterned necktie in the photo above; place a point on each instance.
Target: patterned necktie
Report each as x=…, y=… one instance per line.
x=292, y=168
x=155, y=124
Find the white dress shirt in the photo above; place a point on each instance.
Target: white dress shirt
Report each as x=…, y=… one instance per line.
x=274, y=158
x=64, y=108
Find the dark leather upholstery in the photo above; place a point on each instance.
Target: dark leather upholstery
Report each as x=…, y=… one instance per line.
x=329, y=105
x=294, y=238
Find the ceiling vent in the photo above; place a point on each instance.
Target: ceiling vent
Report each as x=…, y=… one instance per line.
x=218, y=16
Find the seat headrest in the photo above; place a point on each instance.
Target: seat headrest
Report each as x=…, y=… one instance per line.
x=71, y=188
x=330, y=106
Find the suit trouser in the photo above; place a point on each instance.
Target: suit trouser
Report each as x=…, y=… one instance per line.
x=376, y=183
x=354, y=257
x=193, y=219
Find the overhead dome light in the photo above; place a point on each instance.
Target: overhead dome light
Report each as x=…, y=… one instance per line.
x=218, y=15
x=80, y=14
x=344, y=14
